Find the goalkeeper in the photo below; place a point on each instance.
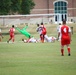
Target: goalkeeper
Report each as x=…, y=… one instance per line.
x=24, y=32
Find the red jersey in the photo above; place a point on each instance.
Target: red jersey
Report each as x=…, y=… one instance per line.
x=65, y=31
x=11, y=31
x=65, y=37
x=44, y=31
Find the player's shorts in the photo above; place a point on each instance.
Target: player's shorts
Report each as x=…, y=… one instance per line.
x=44, y=32
x=11, y=36
x=65, y=41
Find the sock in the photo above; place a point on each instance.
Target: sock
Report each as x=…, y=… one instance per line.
x=62, y=51
x=13, y=40
x=68, y=50
x=9, y=39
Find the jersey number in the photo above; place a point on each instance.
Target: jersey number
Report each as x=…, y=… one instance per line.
x=65, y=30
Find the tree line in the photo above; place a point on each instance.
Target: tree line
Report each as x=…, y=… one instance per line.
x=11, y=7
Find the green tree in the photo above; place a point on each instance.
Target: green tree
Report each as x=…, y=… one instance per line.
x=4, y=6
x=27, y=6
x=15, y=6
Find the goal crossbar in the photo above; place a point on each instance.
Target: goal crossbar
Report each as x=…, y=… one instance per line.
x=4, y=16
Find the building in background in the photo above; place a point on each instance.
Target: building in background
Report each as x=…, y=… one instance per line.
x=62, y=9
x=57, y=10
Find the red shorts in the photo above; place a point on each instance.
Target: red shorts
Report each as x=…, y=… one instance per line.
x=11, y=36
x=44, y=32
x=65, y=41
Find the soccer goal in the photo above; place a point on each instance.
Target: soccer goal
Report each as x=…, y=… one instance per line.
x=30, y=19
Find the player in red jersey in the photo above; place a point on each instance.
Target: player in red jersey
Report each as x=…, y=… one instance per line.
x=43, y=33
x=65, y=33
x=11, y=32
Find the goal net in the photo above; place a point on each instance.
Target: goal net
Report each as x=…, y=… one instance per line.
x=29, y=19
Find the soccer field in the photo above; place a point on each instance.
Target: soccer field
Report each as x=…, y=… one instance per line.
x=36, y=58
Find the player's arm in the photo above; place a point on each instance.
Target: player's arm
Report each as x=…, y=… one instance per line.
x=37, y=29
x=25, y=27
x=70, y=32
x=58, y=35
x=14, y=29
x=70, y=35
x=18, y=29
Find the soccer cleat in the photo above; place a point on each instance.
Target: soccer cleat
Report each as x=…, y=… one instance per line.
x=69, y=54
x=62, y=55
x=7, y=41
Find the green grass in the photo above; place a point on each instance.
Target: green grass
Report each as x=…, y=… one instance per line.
x=36, y=58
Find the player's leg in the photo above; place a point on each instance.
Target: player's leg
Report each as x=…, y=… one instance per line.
x=62, y=46
x=9, y=39
x=13, y=39
x=62, y=50
x=68, y=48
x=41, y=37
x=46, y=38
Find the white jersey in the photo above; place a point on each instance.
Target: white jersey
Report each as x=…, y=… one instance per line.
x=50, y=39
x=39, y=30
x=32, y=40
x=58, y=29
